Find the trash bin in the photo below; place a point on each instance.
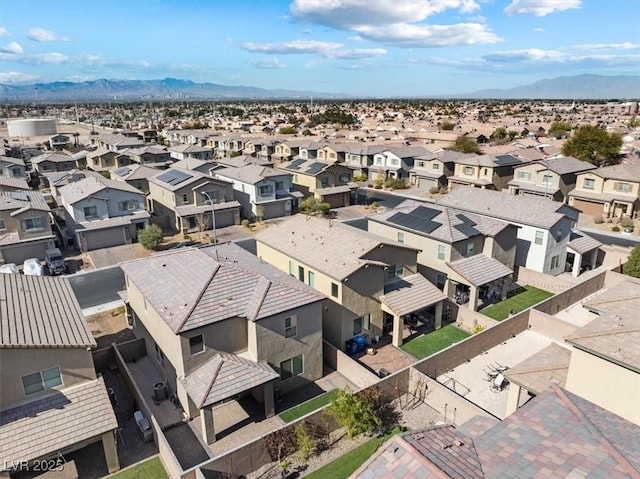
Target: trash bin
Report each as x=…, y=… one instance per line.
x=352, y=347
x=361, y=341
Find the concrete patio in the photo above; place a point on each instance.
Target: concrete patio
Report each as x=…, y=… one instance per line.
x=385, y=356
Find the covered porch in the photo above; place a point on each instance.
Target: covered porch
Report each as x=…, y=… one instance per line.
x=405, y=296
x=582, y=253
x=226, y=378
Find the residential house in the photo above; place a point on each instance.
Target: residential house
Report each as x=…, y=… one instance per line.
x=484, y=171
x=359, y=157
x=25, y=226
x=372, y=283
x=101, y=213
x=51, y=400
x=611, y=191
x=553, y=178
x=103, y=159
x=242, y=160
x=193, y=164
x=261, y=148
x=395, y=162
x=51, y=162
x=544, y=226
x=12, y=168
x=468, y=256
x=263, y=192
x=221, y=325
x=185, y=198
x=180, y=152
x=287, y=150
x=328, y=182
x=11, y=183
x=59, y=141
x=154, y=156
x=136, y=175
x=55, y=181
x=115, y=142
x=432, y=170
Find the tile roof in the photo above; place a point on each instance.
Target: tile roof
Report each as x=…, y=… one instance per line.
x=621, y=171
x=410, y=294
x=55, y=422
x=53, y=157
x=20, y=201
x=190, y=177
x=545, y=368
x=602, y=197
x=490, y=161
x=92, y=186
x=565, y=164
x=243, y=160
x=134, y=172
x=224, y=376
x=480, y=269
x=13, y=182
x=336, y=249
x=194, y=287
x=41, y=312
x=302, y=166
x=250, y=174
x=582, y=243
x=524, y=209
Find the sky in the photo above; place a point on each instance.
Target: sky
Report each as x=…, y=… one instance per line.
x=382, y=48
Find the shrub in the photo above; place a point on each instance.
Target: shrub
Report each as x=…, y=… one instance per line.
x=632, y=266
x=370, y=185
x=361, y=177
x=186, y=237
x=598, y=220
x=434, y=190
x=615, y=229
x=246, y=223
x=374, y=204
x=378, y=186
x=625, y=222
x=354, y=412
x=150, y=237
x=477, y=328
x=305, y=442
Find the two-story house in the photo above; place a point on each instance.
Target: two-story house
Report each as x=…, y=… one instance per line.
x=103, y=159
x=115, y=142
x=484, y=171
x=51, y=162
x=154, y=156
x=263, y=192
x=101, y=213
x=187, y=199
x=136, y=175
x=544, y=226
x=25, y=226
x=59, y=141
x=395, y=162
x=180, y=152
x=468, y=256
x=553, y=178
x=287, y=150
x=432, y=171
x=12, y=168
x=51, y=400
x=221, y=325
x=359, y=157
x=612, y=191
x=372, y=283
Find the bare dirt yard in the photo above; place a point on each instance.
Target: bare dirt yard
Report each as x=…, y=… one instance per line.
x=110, y=327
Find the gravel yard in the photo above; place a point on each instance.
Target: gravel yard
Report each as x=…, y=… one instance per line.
x=110, y=327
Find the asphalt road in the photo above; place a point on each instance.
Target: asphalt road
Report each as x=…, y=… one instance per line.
x=97, y=287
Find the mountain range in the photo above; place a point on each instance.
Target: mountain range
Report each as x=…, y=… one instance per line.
x=584, y=86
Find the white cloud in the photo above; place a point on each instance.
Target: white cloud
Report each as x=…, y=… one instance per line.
x=527, y=55
x=407, y=35
x=293, y=47
x=13, y=48
x=356, y=38
x=3, y=32
x=540, y=8
x=16, y=77
x=48, y=58
x=608, y=46
x=539, y=30
x=268, y=63
x=41, y=35
x=356, y=53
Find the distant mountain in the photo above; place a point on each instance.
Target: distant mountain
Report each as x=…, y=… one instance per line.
x=574, y=87
x=133, y=90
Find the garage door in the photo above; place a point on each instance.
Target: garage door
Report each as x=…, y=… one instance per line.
x=17, y=254
x=224, y=218
x=104, y=238
x=426, y=183
x=588, y=207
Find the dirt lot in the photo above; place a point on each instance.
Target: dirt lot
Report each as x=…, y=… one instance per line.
x=110, y=327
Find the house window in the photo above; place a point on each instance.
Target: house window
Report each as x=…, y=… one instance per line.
x=185, y=197
x=524, y=175
x=291, y=367
x=394, y=162
x=159, y=355
x=623, y=187
x=279, y=185
x=559, y=236
x=129, y=205
x=324, y=181
x=470, y=249
x=48, y=378
x=379, y=161
x=419, y=164
x=312, y=279
x=468, y=170
x=547, y=179
x=539, y=237
x=555, y=261
x=395, y=271
x=292, y=268
x=589, y=184
x=441, y=279
x=344, y=178
x=301, y=273
x=3, y=225
x=441, y=252
x=435, y=166
x=334, y=290
x=361, y=324
x=400, y=237
x=486, y=171
x=32, y=224
x=265, y=190
x=196, y=344
x=290, y=326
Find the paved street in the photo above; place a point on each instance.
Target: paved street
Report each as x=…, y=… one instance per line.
x=97, y=287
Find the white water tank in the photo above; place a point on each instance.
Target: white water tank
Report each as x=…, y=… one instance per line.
x=31, y=127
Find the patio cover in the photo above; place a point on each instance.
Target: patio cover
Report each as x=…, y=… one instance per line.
x=545, y=368
x=225, y=376
x=410, y=294
x=480, y=269
x=333, y=190
x=582, y=243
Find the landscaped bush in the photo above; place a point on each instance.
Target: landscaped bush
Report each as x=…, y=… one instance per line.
x=246, y=223
x=361, y=177
x=150, y=237
x=625, y=222
x=615, y=229
x=434, y=190
x=598, y=220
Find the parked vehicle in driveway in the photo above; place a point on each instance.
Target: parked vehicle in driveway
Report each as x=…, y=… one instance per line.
x=33, y=267
x=9, y=268
x=55, y=261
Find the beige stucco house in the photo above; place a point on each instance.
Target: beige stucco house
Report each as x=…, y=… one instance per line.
x=484, y=171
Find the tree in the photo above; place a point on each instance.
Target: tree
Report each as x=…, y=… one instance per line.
x=287, y=130
x=558, y=129
x=594, y=145
x=464, y=144
x=150, y=237
x=632, y=266
x=446, y=126
x=304, y=441
x=312, y=205
x=354, y=412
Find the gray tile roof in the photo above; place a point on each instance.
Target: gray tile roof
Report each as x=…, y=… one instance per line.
x=134, y=172
x=199, y=286
x=480, y=269
x=20, y=201
x=250, y=174
x=582, y=243
x=490, y=161
x=529, y=186
x=192, y=164
x=189, y=210
x=243, y=160
x=92, y=186
x=335, y=249
x=52, y=157
x=602, y=197
x=410, y=294
x=224, y=376
x=334, y=190
x=565, y=164
x=623, y=171
x=55, y=422
x=40, y=311
x=192, y=177
x=542, y=370
x=523, y=209
x=12, y=182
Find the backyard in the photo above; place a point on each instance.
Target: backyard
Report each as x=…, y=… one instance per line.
x=151, y=469
x=526, y=297
x=308, y=406
x=433, y=342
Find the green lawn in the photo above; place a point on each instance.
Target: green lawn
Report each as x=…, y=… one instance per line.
x=433, y=342
x=151, y=469
x=346, y=464
x=516, y=303
x=308, y=406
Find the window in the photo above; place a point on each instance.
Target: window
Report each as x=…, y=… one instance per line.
x=419, y=164
x=400, y=237
x=623, y=187
x=379, y=161
x=361, y=324
x=334, y=290
x=312, y=279
x=394, y=162
x=468, y=170
x=485, y=172
x=324, y=181
x=344, y=178
x=559, y=236
x=441, y=252
x=291, y=367
x=290, y=326
x=159, y=355
x=301, y=273
x=547, y=179
x=265, y=190
x=435, y=166
x=292, y=268
x=470, y=249
x=279, y=185
x=441, y=279
x=589, y=183
x=539, y=237
x=185, y=197
x=196, y=344
x=555, y=261
x=48, y=378
x=395, y=271
x=90, y=212
x=524, y=175
x=3, y=225
x=32, y=224
x=128, y=205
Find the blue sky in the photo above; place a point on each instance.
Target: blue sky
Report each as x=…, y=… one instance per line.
x=358, y=47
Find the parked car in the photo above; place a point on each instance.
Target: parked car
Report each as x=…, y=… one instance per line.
x=9, y=268
x=33, y=267
x=55, y=261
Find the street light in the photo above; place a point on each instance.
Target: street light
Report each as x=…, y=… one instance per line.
x=213, y=216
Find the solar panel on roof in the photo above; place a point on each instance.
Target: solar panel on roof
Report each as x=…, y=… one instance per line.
x=416, y=223
x=297, y=163
x=19, y=195
x=122, y=171
x=315, y=167
x=467, y=227
x=173, y=177
x=502, y=160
